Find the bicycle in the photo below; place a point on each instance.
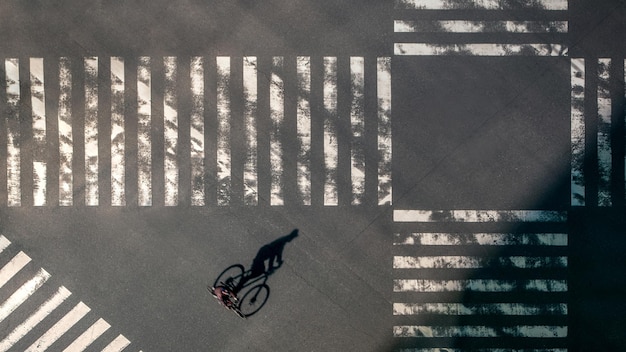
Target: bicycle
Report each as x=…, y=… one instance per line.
x=233, y=300
x=234, y=279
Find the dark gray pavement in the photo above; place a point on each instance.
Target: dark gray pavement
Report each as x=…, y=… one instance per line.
x=468, y=133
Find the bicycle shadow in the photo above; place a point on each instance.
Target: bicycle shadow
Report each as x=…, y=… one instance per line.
x=252, y=284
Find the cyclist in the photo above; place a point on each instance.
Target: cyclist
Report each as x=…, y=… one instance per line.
x=225, y=296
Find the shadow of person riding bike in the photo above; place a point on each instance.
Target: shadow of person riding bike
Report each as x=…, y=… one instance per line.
x=253, y=282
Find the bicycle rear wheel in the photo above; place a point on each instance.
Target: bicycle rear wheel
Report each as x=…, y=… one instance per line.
x=230, y=277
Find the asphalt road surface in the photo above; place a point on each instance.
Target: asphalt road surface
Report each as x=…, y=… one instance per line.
x=455, y=171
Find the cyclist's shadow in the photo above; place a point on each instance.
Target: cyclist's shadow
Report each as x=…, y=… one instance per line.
x=252, y=283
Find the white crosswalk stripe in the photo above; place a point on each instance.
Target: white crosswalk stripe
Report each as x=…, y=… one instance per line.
x=418, y=33
x=75, y=318
x=601, y=81
x=514, y=283
x=279, y=163
x=59, y=328
x=11, y=268
x=88, y=336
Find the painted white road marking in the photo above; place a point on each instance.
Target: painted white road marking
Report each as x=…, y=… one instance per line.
x=59, y=328
x=463, y=26
x=117, y=178
x=480, y=49
x=118, y=159
x=38, y=104
x=479, y=216
x=15, y=331
x=383, y=93
x=536, y=331
x=197, y=132
x=66, y=139
x=117, y=345
x=552, y=28
x=144, y=128
x=303, y=121
x=170, y=131
x=468, y=262
x=449, y=349
x=479, y=4
x=479, y=309
x=14, y=192
x=605, y=165
x=277, y=116
x=250, y=171
x=34, y=319
x=4, y=243
x=13, y=267
x=478, y=285
x=88, y=336
x=22, y=294
x=91, y=131
x=331, y=143
x=357, y=123
x=490, y=239
x=223, y=130
x=577, y=77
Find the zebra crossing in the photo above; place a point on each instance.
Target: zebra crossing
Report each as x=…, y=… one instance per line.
x=27, y=311
x=476, y=289
x=595, y=92
x=92, y=121
x=482, y=28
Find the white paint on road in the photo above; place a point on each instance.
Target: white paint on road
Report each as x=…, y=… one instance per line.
x=448, y=349
x=144, y=132
x=16, y=329
x=91, y=131
x=331, y=143
x=478, y=285
x=224, y=181
x=469, y=262
x=277, y=117
x=11, y=268
x=357, y=123
x=59, y=328
x=38, y=111
x=463, y=26
x=22, y=294
x=115, y=172
x=479, y=309
x=197, y=131
x=605, y=165
x=117, y=345
x=480, y=49
x=250, y=94
x=4, y=243
x=66, y=139
x=34, y=319
x=170, y=130
x=303, y=126
x=577, y=118
x=479, y=216
x=88, y=336
x=482, y=239
x=118, y=159
x=14, y=192
x=480, y=4
x=383, y=94
x=527, y=331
